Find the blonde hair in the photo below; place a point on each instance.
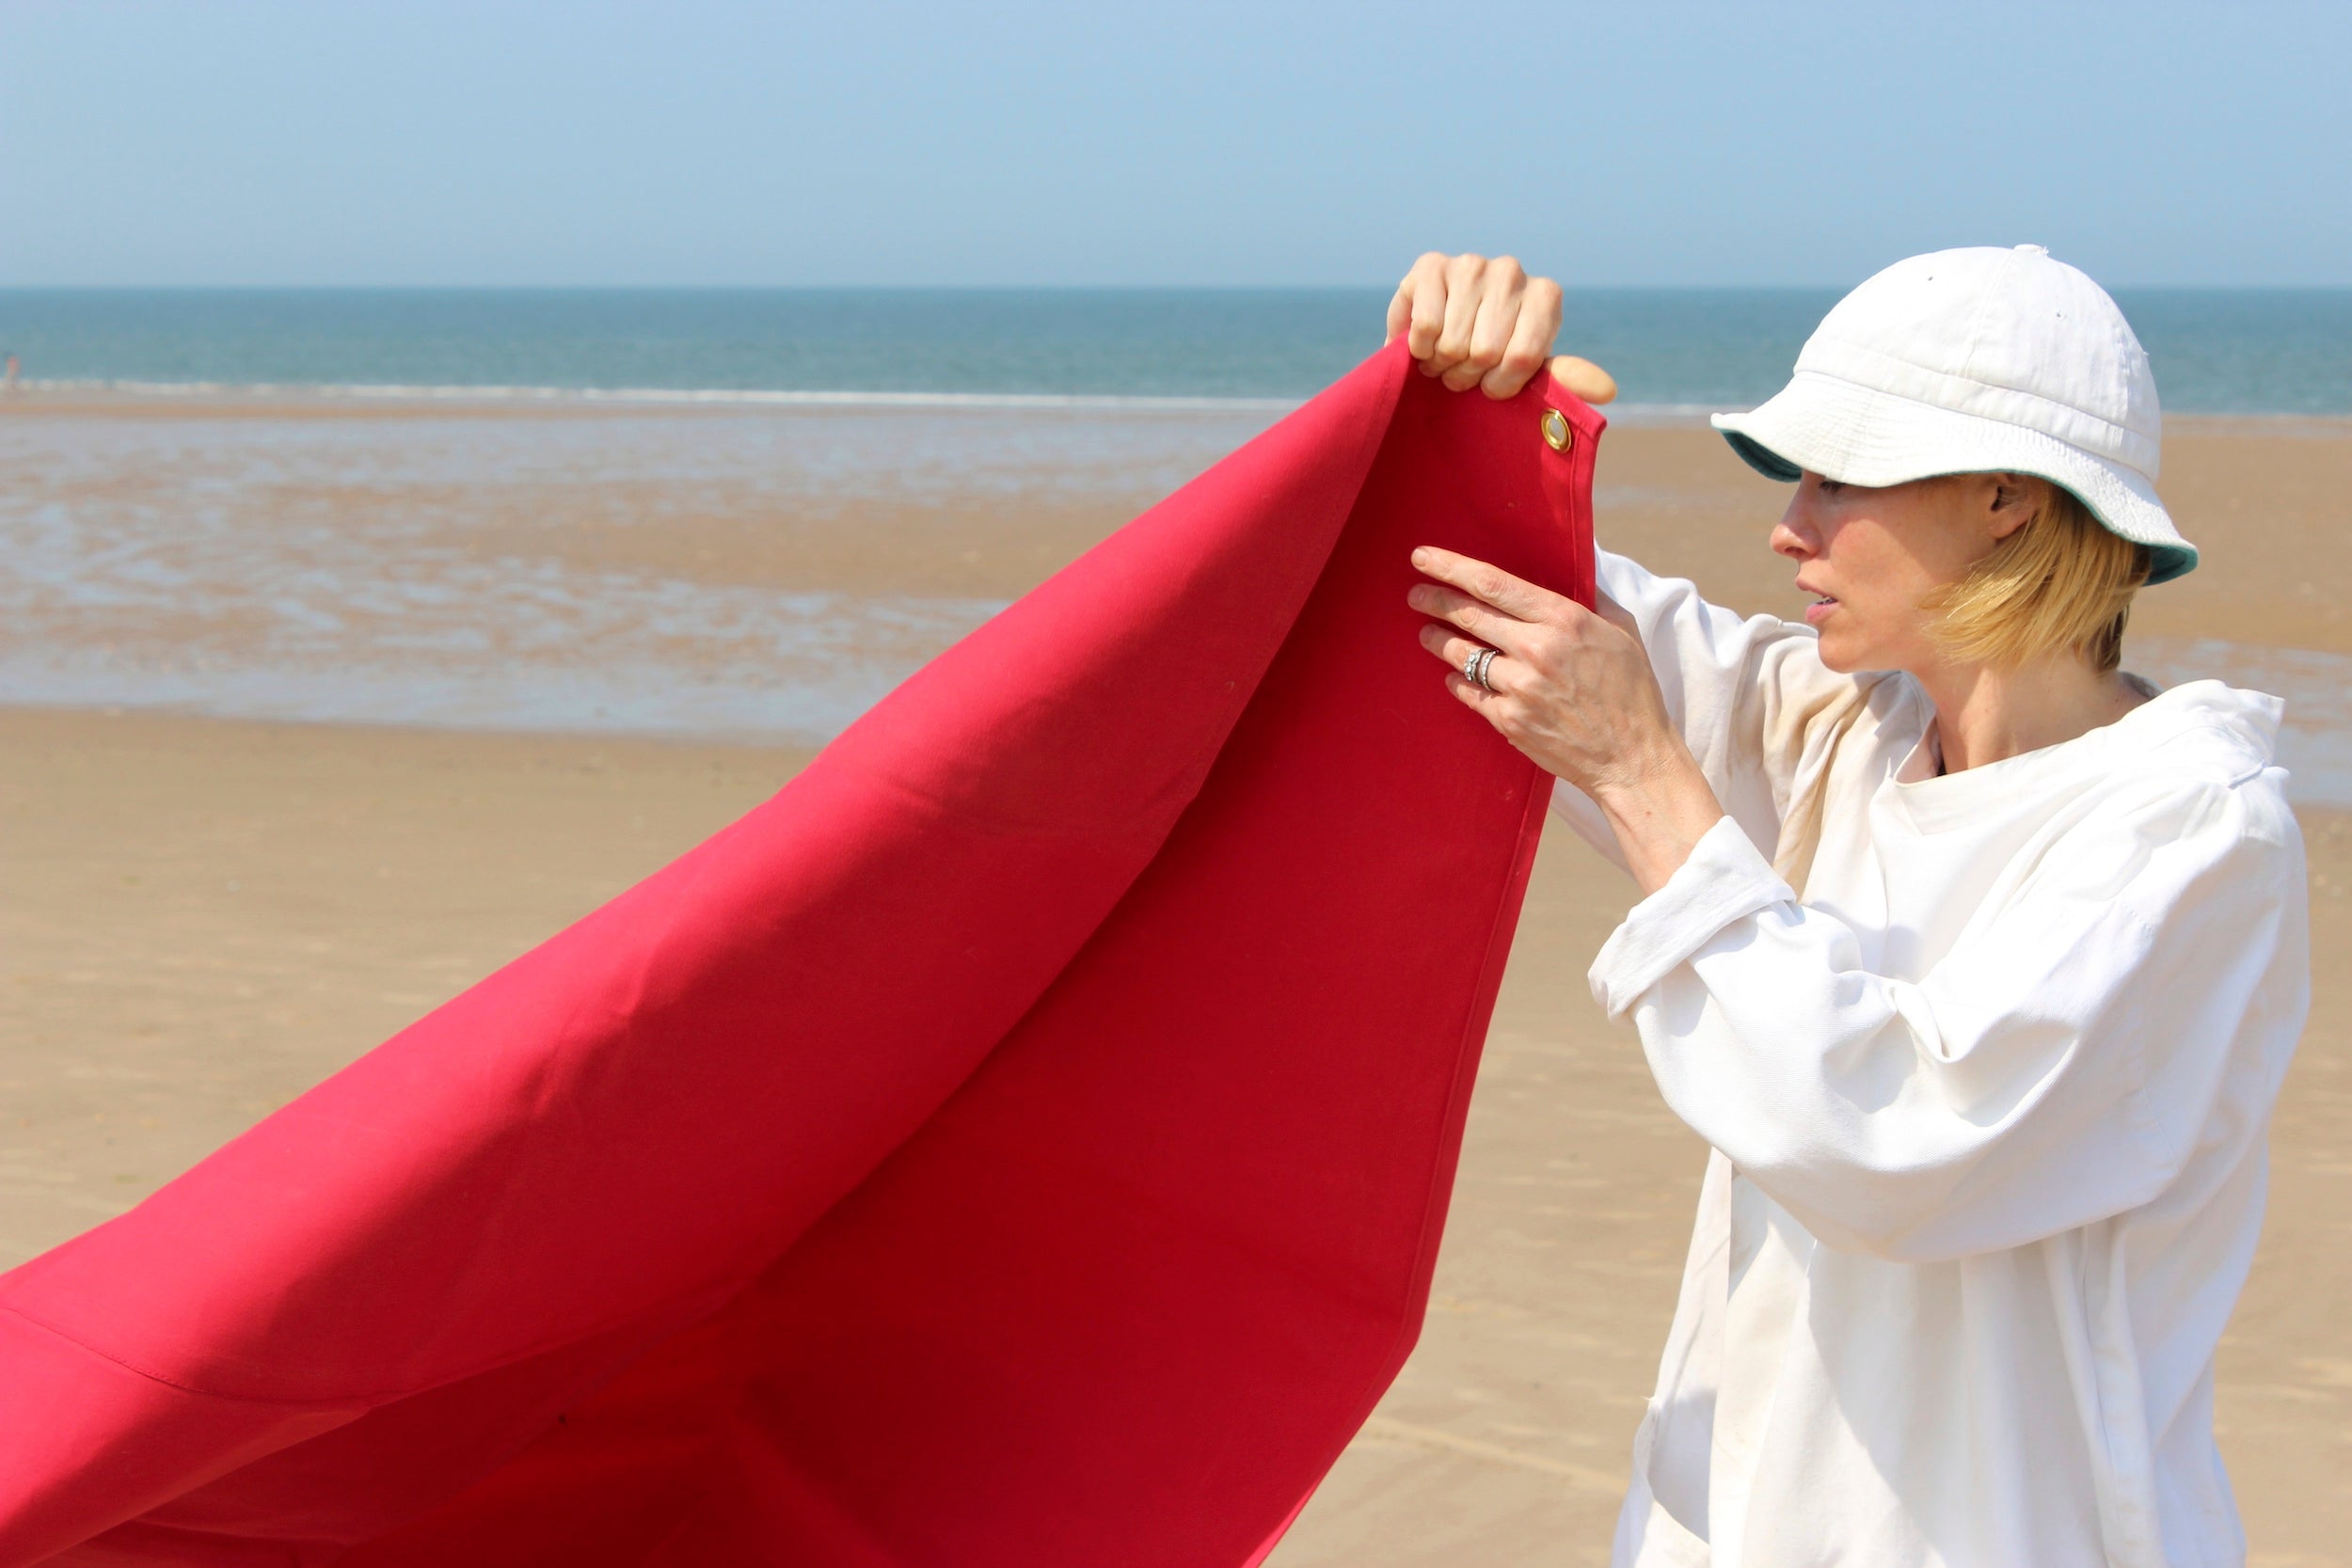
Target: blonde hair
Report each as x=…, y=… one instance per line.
x=2061, y=580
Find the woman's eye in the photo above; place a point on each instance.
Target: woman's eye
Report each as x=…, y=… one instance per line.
x=1831, y=487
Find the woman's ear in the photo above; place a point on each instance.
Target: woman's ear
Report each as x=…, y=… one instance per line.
x=2017, y=500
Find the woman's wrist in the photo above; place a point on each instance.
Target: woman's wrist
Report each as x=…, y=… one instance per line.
x=1660, y=809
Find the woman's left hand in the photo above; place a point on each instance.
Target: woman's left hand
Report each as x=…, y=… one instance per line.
x=1573, y=690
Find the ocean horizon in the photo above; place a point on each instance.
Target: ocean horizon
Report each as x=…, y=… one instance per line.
x=2215, y=351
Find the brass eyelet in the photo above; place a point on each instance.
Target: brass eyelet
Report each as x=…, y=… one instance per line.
x=1558, y=433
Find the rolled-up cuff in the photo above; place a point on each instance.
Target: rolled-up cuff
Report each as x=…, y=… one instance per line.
x=1724, y=880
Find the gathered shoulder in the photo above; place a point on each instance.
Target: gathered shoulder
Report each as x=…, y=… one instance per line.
x=2216, y=761
x=2185, y=824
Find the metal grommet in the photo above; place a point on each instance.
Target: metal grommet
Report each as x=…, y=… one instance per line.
x=1558, y=433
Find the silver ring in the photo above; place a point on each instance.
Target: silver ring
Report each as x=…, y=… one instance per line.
x=1480, y=663
x=1469, y=665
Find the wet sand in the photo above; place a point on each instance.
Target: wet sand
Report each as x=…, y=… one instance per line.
x=200, y=917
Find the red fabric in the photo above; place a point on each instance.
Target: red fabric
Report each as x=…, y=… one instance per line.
x=1022, y=1141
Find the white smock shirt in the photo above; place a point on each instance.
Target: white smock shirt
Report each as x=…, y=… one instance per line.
x=1988, y=1108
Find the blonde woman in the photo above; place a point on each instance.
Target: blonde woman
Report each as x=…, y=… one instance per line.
x=1976, y=960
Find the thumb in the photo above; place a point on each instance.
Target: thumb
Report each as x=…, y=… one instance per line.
x=1585, y=379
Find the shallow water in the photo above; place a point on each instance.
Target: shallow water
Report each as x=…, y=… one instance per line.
x=493, y=571
x=2315, y=736
x=517, y=573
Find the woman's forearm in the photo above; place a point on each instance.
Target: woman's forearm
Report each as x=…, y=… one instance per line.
x=1659, y=807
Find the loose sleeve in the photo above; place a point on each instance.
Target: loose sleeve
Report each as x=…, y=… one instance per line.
x=1750, y=696
x=2055, y=1069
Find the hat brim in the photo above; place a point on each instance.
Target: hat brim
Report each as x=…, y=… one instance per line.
x=1859, y=435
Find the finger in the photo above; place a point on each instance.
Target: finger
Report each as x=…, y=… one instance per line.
x=1490, y=585
x=1464, y=292
x=1427, y=284
x=1427, y=269
x=1490, y=330
x=1483, y=624
x=1474, y=695
x=1584, y=379
x=1454, y=653
x=1449, y=645
x=1532, y=338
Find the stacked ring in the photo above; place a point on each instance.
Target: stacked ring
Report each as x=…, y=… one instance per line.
x=1475, y=665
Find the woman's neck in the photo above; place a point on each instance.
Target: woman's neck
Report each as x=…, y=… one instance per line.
x=1985, y=714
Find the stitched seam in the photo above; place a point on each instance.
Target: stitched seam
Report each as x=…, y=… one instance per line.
x=2047, y=442
x=168, y=1382
x=719, y=1296
x=1532, y=817
x=2122, y=432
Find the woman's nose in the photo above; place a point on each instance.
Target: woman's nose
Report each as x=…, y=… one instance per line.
x=1794, y=535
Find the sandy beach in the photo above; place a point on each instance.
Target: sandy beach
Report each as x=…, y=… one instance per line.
x=201, y=916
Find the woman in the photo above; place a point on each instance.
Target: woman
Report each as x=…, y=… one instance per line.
x=1975, y=960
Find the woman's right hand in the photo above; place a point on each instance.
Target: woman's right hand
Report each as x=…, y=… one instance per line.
x=1475, y=323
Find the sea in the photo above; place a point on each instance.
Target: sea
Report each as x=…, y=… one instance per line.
x=2267, y=351
x=212, y=557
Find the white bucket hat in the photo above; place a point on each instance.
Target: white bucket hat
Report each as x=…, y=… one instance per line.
x=1979, y=360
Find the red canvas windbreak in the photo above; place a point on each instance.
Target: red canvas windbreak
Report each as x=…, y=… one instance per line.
x=1022, y=1141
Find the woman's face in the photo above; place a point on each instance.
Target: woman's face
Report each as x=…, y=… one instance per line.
x=1873, y=560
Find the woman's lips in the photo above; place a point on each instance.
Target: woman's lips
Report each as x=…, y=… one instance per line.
x=1818, y=612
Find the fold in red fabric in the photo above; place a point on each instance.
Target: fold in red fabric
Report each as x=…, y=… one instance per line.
x=1022, y=1141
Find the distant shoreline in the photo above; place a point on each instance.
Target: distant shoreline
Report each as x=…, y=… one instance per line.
x=758, y=397
x=1676, y=352
x=35, y=395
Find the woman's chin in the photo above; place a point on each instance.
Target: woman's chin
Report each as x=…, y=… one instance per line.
x=1840, y=658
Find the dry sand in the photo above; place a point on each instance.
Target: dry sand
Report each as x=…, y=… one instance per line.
x=200, y=918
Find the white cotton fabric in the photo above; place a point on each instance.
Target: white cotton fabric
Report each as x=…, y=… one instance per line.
x=1976, y=361
x=1988, y=1107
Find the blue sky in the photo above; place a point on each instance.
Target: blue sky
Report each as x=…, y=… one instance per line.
x=500, y=142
